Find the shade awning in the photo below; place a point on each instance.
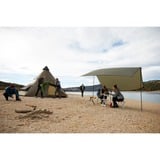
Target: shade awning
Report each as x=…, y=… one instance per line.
x=126, y=78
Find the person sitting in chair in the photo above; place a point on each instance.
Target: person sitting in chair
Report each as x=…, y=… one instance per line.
x=102, y=95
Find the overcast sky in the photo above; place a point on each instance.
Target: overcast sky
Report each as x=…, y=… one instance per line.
x=71, y=52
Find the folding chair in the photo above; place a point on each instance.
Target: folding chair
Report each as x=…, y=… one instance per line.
x=121, y=103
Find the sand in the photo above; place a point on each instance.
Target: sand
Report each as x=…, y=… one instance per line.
x=78, y=115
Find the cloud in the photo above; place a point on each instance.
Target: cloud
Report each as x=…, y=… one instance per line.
x=71, y=52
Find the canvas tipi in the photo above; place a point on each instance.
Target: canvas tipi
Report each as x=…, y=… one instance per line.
x=50, y=90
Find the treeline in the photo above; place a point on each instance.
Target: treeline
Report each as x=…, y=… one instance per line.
x=148, y=86
x=3, y=85
x=87, y=88
x=153, y=85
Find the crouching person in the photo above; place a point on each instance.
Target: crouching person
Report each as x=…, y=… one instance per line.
x=117, y=96
x=10, y=91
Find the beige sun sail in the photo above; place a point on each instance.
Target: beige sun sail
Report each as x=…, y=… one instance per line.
x=126, y=78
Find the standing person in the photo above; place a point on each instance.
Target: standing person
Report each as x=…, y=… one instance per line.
x=40, y=82
x=10, y=91
x=117, y=96
x=58, y=87
x=82, y=88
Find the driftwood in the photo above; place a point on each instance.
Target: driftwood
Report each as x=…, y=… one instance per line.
x=23, y=111
x=33, y=106
x=37, y=114
x=34, y=113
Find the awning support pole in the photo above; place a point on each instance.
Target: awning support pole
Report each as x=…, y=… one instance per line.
x=93, y=85
x=141, y=86
x=141, y=99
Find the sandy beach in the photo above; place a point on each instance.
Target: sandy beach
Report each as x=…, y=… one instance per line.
x=78, y=115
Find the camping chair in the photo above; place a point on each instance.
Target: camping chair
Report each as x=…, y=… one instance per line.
x=121, y=103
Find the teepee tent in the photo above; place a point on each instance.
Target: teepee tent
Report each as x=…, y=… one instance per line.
x=49, y=90
x=127, y=79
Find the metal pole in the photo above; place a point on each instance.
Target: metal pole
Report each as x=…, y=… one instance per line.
x=93, y=84
x=141, y=98
x=141, y=87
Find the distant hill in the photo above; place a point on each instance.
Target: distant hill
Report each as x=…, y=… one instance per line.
x=3, y=85
x=148, y=86
x=152, y=85
x=87, y=88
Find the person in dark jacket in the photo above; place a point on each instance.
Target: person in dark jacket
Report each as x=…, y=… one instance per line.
x=10, y=91
x=104, y=94
x=82, y=88
x=58, y=88
x=40, y=82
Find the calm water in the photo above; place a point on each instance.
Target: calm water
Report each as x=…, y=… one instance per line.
x=146, y=96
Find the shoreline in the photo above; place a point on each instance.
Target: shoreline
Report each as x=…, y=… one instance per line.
x=135, y=99
x=152, y=100
x=79, y=115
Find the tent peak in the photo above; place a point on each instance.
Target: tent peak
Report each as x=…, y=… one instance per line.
x=46, y=68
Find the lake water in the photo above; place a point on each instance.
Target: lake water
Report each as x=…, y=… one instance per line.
x=146, y=96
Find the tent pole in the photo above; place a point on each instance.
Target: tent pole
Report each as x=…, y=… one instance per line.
x=93, y=85
x=141, y=87
x=141, y=98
